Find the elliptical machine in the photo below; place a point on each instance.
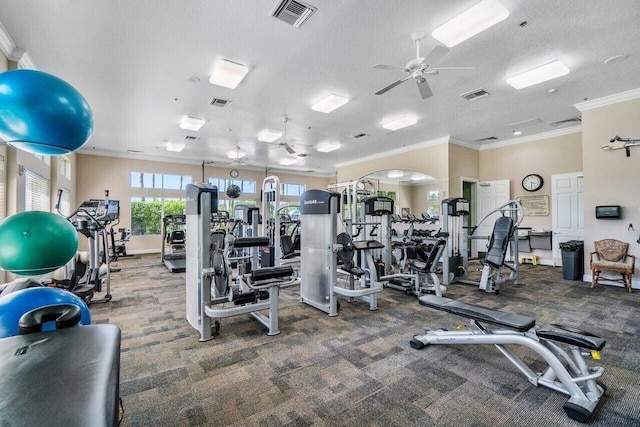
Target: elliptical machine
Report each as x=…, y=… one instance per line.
x=91, y=220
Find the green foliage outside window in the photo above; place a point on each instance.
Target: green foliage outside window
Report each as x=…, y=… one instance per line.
x=146, y=215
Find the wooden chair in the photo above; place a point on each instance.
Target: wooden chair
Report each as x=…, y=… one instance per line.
x=611, y=255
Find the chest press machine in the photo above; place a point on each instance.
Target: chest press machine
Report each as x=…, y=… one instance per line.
x=320, y=248
x=212, y=291
x=567, y=371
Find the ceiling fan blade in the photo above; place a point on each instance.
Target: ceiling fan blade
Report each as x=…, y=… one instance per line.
x=451, y=68
x=388, y=67
x=289, y=149
x=392, y=85
x=435, y=54
x=423, y=86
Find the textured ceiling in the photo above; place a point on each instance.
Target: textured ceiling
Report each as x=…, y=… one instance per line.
x=131, y=60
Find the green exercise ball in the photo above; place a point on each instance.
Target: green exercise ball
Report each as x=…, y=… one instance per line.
x=36, y=242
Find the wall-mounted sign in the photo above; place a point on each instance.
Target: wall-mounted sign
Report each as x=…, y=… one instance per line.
x=535, y=205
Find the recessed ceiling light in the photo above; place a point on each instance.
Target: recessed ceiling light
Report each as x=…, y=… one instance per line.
x=328, y=146
x=329, y=103
x=539, y=74
x=553, y=90
x=517, y=132
x=472, y=21
x=395, y=174
x=615, y=59
x=175, y=147
x=417, y=177
x=269, y=135
x=287, y=161
x=191, y=123
x=399, y=123
x=228, y=73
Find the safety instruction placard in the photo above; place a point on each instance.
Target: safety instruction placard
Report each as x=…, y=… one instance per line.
x=535, y=205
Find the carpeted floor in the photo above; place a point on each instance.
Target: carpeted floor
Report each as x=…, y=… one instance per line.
x=357, y=369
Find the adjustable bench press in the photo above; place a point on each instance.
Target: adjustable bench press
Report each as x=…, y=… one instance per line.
x=567, y=372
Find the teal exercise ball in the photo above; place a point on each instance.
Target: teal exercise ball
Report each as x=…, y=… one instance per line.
x=42, y=114
x=36, y=243
x=14, y=305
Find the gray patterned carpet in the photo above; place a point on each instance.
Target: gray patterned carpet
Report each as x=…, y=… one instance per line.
x=357, y=369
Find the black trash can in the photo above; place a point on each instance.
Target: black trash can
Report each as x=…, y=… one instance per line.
x=572, y=259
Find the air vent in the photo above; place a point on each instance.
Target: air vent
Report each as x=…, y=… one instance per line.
x=218, y=102
x=360, y=135
x=134, y=151
x=475, y=94
x=489, y=138
x=191, y=138
x=575, y=120
x=293, y=12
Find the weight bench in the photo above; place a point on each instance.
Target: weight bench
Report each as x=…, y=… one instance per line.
x=565, y=374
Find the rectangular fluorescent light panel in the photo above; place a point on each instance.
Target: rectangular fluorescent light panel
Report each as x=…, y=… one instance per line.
x=288, y=161
x=228, y=74
x=537, y=75
x=269, y=135
x=175, y=147
x=472, y=21
x=395, y=174
x=328, y=146
x=191, y=123
x=399, y=123
x=329, y=103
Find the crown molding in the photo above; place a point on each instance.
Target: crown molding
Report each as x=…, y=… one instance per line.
x=608, y=100
x=465, y=144
x=530, y=138
x=406, y=149
x=13, y=53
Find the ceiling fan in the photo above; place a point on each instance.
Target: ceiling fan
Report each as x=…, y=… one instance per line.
x=285, y=144
x=419, y=67
x=237, y=158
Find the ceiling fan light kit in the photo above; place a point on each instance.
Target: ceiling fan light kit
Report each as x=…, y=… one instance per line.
x=228, y=73
x=191, y=123
x=236, y=155
x=400, y=123
x=537, y=75
x=288, y=161
x=329, y=103
x=472, y=21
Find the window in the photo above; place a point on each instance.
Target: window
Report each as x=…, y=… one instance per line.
x=36, y=192
x=65, y=203
x=44, y=159
x=293, y=189
x=246, y=186
x=65, y=166
x=229, y=205
x=433, y=203
x=160, y=181
x=146, y=215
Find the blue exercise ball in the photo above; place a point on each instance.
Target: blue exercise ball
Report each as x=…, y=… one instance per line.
x=14, y=305
x=36, y=242
x=42, y=114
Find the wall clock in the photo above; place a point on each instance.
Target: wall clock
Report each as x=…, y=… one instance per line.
x=233, y=173
x=532, y=182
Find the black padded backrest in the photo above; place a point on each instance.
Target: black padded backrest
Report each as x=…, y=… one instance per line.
x=499, y=241
x=286, y=244
x=176, y=236
x=435, y=254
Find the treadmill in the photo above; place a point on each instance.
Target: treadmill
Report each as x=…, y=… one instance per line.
x=173, y=253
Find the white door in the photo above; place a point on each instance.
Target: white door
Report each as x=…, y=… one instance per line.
x=567, y=214
x=490, y=195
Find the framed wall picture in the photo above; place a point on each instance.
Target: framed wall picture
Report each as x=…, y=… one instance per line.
x=405, y=212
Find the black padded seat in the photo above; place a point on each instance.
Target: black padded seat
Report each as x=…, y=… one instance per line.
x=250, y=242
x=269, y=273
x=500, y=318
x=361, y=245
x=351, y=268
x=571, y=336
